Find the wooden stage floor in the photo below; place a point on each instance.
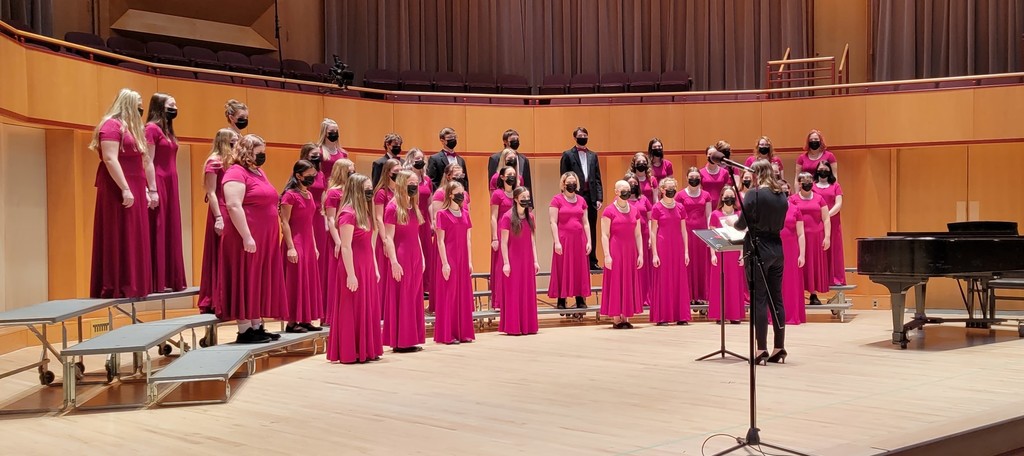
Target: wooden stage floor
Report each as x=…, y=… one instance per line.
x=572, y=389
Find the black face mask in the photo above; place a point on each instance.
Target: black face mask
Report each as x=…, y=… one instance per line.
x=171, y=113
x=634, y=189
x=642, y=167
x=526, y=203
x=814, y=144
x=308, y=181
x=510, y=162
x=581, y=141
x=571, y=188
x=763, y=150
x=393, y=176
x=261, y=159
x=241, y=123
x=349, y=174
x=824, y=174
x=658, y=153
x=459, y=198
x=514, y=144
x=395, y=150
x=510, y=180
x=625, y=194
x=419, y=164
x=333, y=136
x=671, y=193
x=728, y=201
x=142, y=113
x=368, y=194
x=693, y=182
x=746, y=183
x=411, y=189
x=806, y=186
x=315, y=160
x=451, y=143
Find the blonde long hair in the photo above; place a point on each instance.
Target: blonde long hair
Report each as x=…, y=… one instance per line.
x=403, y=200
x=390, y=166
x=125, y=109
x=222, y=144
x=355, y=198
x=337, y=179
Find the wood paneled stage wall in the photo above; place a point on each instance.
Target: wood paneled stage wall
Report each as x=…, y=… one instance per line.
x=907, y=161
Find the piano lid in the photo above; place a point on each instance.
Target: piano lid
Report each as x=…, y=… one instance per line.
x=984, y=226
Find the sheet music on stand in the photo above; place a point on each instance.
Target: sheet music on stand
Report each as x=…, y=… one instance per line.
x=719, y=242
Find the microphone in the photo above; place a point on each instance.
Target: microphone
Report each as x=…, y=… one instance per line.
x=719, y=158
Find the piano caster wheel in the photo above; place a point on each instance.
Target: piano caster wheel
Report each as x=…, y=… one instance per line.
x=903, y=345
x=47, y=377
x=165, y=349
x=109, y=367
x=1020, y=331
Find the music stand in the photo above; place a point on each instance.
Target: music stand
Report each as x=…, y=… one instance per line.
x=720, y=244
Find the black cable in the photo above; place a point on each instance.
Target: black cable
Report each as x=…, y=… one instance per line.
x=738, y=440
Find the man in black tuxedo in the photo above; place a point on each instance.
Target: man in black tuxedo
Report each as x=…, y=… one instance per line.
x=583, y=162
x=511, y=140
x=439, y=161
x=392, y=150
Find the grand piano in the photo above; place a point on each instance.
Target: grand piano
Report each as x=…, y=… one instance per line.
x=975, y=252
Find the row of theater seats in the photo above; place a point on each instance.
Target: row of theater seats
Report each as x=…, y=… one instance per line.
x=554, y=84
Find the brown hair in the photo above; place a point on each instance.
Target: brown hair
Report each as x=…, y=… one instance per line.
x=765, y=175
x=245, y=151
x=403, y=200
x=821, y=137
x=385, y=174
x=158, y=115
x=517, y=222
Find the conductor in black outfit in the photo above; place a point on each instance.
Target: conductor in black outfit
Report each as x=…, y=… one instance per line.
x=766, y=207
x=583, y=162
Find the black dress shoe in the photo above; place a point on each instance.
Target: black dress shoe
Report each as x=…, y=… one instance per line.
x=295, y=329
x=251, y=336
x=595, y=267
x=413, y=349
x=762, y=358
x=735, y=322
x=310, y=327
x=814, y=301
x=682, y=323
x=662, y=323
x=627, y=325
x=618, y=326
x=778, y=357
x=272, y=336
x=581, y=304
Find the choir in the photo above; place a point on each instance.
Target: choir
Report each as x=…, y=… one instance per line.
x=361, y=254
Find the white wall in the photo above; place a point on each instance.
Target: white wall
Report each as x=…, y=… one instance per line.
x=23, y=244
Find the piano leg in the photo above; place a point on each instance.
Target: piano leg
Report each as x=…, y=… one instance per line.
x=920, y=293
x=899, y=303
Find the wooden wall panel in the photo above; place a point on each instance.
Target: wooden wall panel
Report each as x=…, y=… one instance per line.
x=284, y=117
x=488, y=123
x=787, y=122
x=13, y=73
x=997, y=112
x=706, y=123
x=419, y=124
x=63, y=89
x=932, y=181
x=554, y=126
x=201, y=106
x=634, y=125
x=110, y=81
x=361, y=123
x=919, y=117
x=989, y=195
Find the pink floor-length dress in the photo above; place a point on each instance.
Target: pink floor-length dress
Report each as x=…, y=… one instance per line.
x=332, y=287
x=504, y=203
x=323, y=237
x=381, y=198
x=792, y=277
x=815, y=268
x=700, y=256
x=834, y=255
x=670, y=291
x=355, y=325
x=620, y=285
x=165, y=219
x=426, y=232
x=570, y=273
x=434, y=261
x=713, y=183
x=251, y=285
x=302, y=279
x=212, y=240
x=404, y=324
x=454, y=307
x=519, y=303
x=121, y=257
x=735, y=281
x=643, y=208
x=647, y=187
x=663, y=171
x=808, y=165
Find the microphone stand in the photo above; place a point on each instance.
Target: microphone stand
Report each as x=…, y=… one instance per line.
x=280, y=50
x=753, y=437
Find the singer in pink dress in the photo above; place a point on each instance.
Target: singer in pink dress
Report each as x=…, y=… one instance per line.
x=452, y=173
x=792, y=235
x=764, y=151
x=121, y=262
x=570, y=273
x=331, y=206
x=520, y=268
x=621, y=239
x=815, y=151
x=832, y=193
x=643, y=208
x=216, y=216
x=311, y=153
x=713, y=178
x=729, y=262
x=355, y=325
x=640, y=167
x=670, y=291
x=416, y=161
x=404, y=324
x=382, y=194
x=661, y=167
x=165, y=218
x=300, y=252
x=817, y=233
x=697, y=205
x=501, y=203
x=454, y=287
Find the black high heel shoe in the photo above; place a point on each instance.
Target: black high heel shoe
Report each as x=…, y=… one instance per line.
x=778, y=357
x=762, y=358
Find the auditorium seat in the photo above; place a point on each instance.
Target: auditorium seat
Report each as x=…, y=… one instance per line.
x=565, y=101
x=508, y=101
x=675, y=81
x=86, y=39
x=916, y=86
x=620, y=100
x=167, y=53
x=880, y=89
x=404, y=98
x=222, y=78
x=237, y=62
x=583, y=83
x=614, y=82
x=1001, y=81
x=322, y=70
x=657, y=99
x=643, y=82
x=381, y=79
x=554, y=84
x=437, y=99
x=170, y=72
x=481, y=83
x=955, y=84
x=595, y=100
x=269, y=66
x=128, y=47
x=134, y=66
x=299, y=69
x=448, y=81
x=254, y=82
x=747, y=97
x=202, y=57
x=513, y=84
x=415, y=81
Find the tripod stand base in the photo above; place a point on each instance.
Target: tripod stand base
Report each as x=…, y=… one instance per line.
x=754, y=439
x=723, y=352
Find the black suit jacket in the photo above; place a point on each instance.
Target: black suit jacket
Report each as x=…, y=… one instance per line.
x=378, y=166
x=492, y=168
x=592, y=185
x=436, y=165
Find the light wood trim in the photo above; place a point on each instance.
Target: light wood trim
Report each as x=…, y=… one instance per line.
x=139, y=21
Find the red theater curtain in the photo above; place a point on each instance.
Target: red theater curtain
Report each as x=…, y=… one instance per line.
x=724, y=44
x=938, y=38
